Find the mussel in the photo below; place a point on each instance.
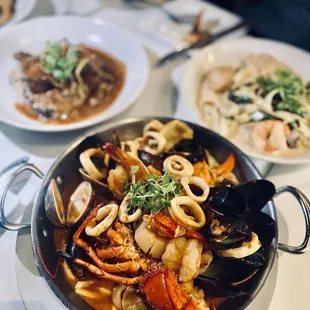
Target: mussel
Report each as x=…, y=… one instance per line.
x=151, y=160
x=226, y=200
x=228, y=231
x=79, y=204
x=256, y=193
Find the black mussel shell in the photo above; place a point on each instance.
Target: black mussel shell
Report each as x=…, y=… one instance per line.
x=217, y=288
x=115, y=139
x=226, y=200
x=197, y=152
x=150, y=159
x=74, y=251
x=227, y=232
x=230, y=270
x=256, y=260
x=256, y=193
x=258, y=219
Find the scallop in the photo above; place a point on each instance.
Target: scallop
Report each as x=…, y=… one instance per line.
x=79, y=204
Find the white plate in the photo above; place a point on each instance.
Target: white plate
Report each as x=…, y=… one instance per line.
x=32, y=35
x=22, y=9
x=229, y=53
x=159, y=26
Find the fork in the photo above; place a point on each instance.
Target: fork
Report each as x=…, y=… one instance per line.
x=180, y=19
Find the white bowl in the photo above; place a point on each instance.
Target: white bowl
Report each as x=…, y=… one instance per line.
x=32, y=35
x=21, y=10
x=230, y=52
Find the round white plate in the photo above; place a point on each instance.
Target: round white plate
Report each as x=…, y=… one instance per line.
x=32, y=35
x=230, y=52
x=22, y=9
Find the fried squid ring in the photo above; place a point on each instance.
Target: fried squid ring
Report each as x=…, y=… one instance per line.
x=196, y=221
x=105, y=216
x=155, y=142
x=153, y=125
x=178, y=167
x=131, y=146
x=199, y=182
x=247, y=248
x=89, y=166
x=123, y=215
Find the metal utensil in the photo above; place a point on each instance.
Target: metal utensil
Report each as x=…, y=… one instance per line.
x=201, y=43
x=179, y=19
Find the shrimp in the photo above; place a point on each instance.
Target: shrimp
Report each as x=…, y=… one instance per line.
x=190, y=264
x=117, y=179
x=270, y=136
x=183, y=257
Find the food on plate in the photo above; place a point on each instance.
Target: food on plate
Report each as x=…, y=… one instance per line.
x=66, y=83
x=159, y=236
x=260, y=101
x=201, y=28
x=6, y=10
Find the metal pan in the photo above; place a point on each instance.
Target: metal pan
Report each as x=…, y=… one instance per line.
x=66, y=167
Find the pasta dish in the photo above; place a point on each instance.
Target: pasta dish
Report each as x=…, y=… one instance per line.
x=261, y=101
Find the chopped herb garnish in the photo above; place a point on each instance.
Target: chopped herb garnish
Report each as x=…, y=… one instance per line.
x=152, y=194
x=60, y=60
x=238, y=99
x=291, y=96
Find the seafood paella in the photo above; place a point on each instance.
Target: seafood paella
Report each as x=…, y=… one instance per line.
x=158, y=223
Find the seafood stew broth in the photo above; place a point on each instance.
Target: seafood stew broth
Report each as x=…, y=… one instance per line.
x=46, y=238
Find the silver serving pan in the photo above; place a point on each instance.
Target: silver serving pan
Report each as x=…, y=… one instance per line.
x=66, y=167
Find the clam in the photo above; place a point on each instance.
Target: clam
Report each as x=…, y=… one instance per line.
x=79, y=204
x=97, y=185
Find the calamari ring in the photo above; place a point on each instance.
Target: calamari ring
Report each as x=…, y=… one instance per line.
x=88, y=165
x=132, y=145
x=155, y=142
x=123, y=215
x=179, y=215
x=178, y=167
x=153, y=125
x=105, y=216
x=247, y=248
x=199, y=182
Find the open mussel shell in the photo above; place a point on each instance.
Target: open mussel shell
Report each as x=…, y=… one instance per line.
x=54, y=207
x=256, y=260
x=97, y=185
x=77, y=252
x=226, y=200
x=217, y=288
x=79, y=203
x=230, y=270
x=227, y=232
x=256, y=193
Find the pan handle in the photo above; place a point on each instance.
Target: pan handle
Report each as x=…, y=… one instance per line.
x=305, y=206
x=7, y=178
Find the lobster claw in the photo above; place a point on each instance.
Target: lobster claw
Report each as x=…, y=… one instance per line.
x=169, y=294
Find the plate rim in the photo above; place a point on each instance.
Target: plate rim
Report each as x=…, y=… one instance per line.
x=40, y=127
x=248, y=39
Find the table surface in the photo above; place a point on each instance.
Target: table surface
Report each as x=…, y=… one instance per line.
x=292, y=283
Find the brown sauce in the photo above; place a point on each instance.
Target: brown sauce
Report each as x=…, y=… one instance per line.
x=86, y=110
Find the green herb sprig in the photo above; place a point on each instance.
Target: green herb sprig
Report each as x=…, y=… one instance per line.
x=58, y=62
x=292, y=92
x=153, y=194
